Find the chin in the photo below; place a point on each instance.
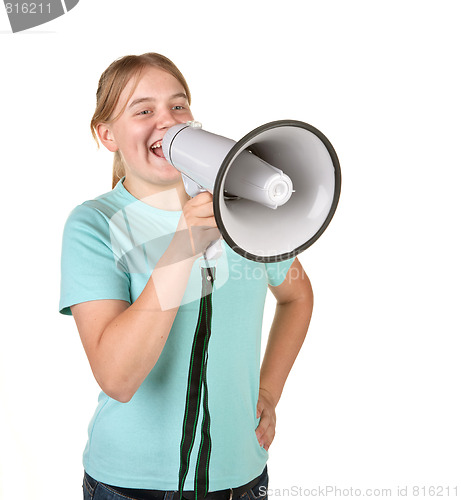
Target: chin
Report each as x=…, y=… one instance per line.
x=169, y=178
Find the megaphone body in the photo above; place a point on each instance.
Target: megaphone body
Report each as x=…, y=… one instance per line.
x=274, y=191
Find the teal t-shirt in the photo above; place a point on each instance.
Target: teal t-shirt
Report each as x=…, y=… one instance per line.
x=110, y=246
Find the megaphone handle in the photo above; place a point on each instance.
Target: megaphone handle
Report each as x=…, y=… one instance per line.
x=213, y=251
x=191, y=187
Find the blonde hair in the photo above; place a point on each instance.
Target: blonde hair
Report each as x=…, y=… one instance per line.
x=111, y=85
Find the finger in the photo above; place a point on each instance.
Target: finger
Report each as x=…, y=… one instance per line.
x=266, y=439
x=204, y=232
x=212, y=234
x=203, y=211
x=207, y=202
x=201, y=198
x=196, y=215
x=202, y=222
x=263, y=426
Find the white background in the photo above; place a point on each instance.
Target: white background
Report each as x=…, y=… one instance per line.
x=373, y=400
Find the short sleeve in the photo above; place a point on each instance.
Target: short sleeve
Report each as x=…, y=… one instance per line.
x=276, y=272
x=89, y=269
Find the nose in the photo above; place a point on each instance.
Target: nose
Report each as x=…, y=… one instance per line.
x=166, y=119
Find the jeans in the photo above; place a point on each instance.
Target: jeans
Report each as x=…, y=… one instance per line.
x=95, y=490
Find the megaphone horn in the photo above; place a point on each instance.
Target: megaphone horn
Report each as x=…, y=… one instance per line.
x=274, y=191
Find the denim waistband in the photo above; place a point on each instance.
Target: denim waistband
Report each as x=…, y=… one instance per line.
x=144, y=494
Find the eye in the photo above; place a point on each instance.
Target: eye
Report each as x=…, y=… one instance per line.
x=145, y=112
x=177, y=107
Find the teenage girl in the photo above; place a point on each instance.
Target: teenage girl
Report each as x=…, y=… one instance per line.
x=129, y=267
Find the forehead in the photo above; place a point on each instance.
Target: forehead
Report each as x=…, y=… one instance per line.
x=152, y=82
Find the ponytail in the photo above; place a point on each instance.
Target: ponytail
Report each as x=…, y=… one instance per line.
x=118, y=169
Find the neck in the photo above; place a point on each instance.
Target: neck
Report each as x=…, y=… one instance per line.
x=171, y=197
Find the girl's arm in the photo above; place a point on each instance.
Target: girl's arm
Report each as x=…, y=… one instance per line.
x=289, y=327
x=122, y=341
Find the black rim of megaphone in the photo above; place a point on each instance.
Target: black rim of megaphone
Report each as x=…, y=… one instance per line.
x=230, y=157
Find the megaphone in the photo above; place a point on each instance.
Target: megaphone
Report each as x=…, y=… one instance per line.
x=274, y=191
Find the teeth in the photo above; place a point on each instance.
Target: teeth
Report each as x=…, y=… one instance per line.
x=156, y=145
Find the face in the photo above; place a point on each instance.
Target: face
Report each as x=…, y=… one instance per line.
x=158, y=102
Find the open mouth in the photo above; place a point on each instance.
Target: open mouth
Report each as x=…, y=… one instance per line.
x=156, y=148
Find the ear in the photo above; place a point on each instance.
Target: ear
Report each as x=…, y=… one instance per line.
x=106, y=137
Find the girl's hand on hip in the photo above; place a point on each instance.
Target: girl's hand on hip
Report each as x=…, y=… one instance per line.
x=265, y=432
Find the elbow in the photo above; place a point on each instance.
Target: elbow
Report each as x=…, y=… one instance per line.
x=116, y=380
x=118, y=391
x=303, y=305
x=307, y=294
x=120, y=397
x=114, y=383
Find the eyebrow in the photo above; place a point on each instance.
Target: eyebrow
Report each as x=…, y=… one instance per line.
x=149, y=99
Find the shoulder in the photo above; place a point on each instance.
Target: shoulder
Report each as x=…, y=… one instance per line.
x=96, y=213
